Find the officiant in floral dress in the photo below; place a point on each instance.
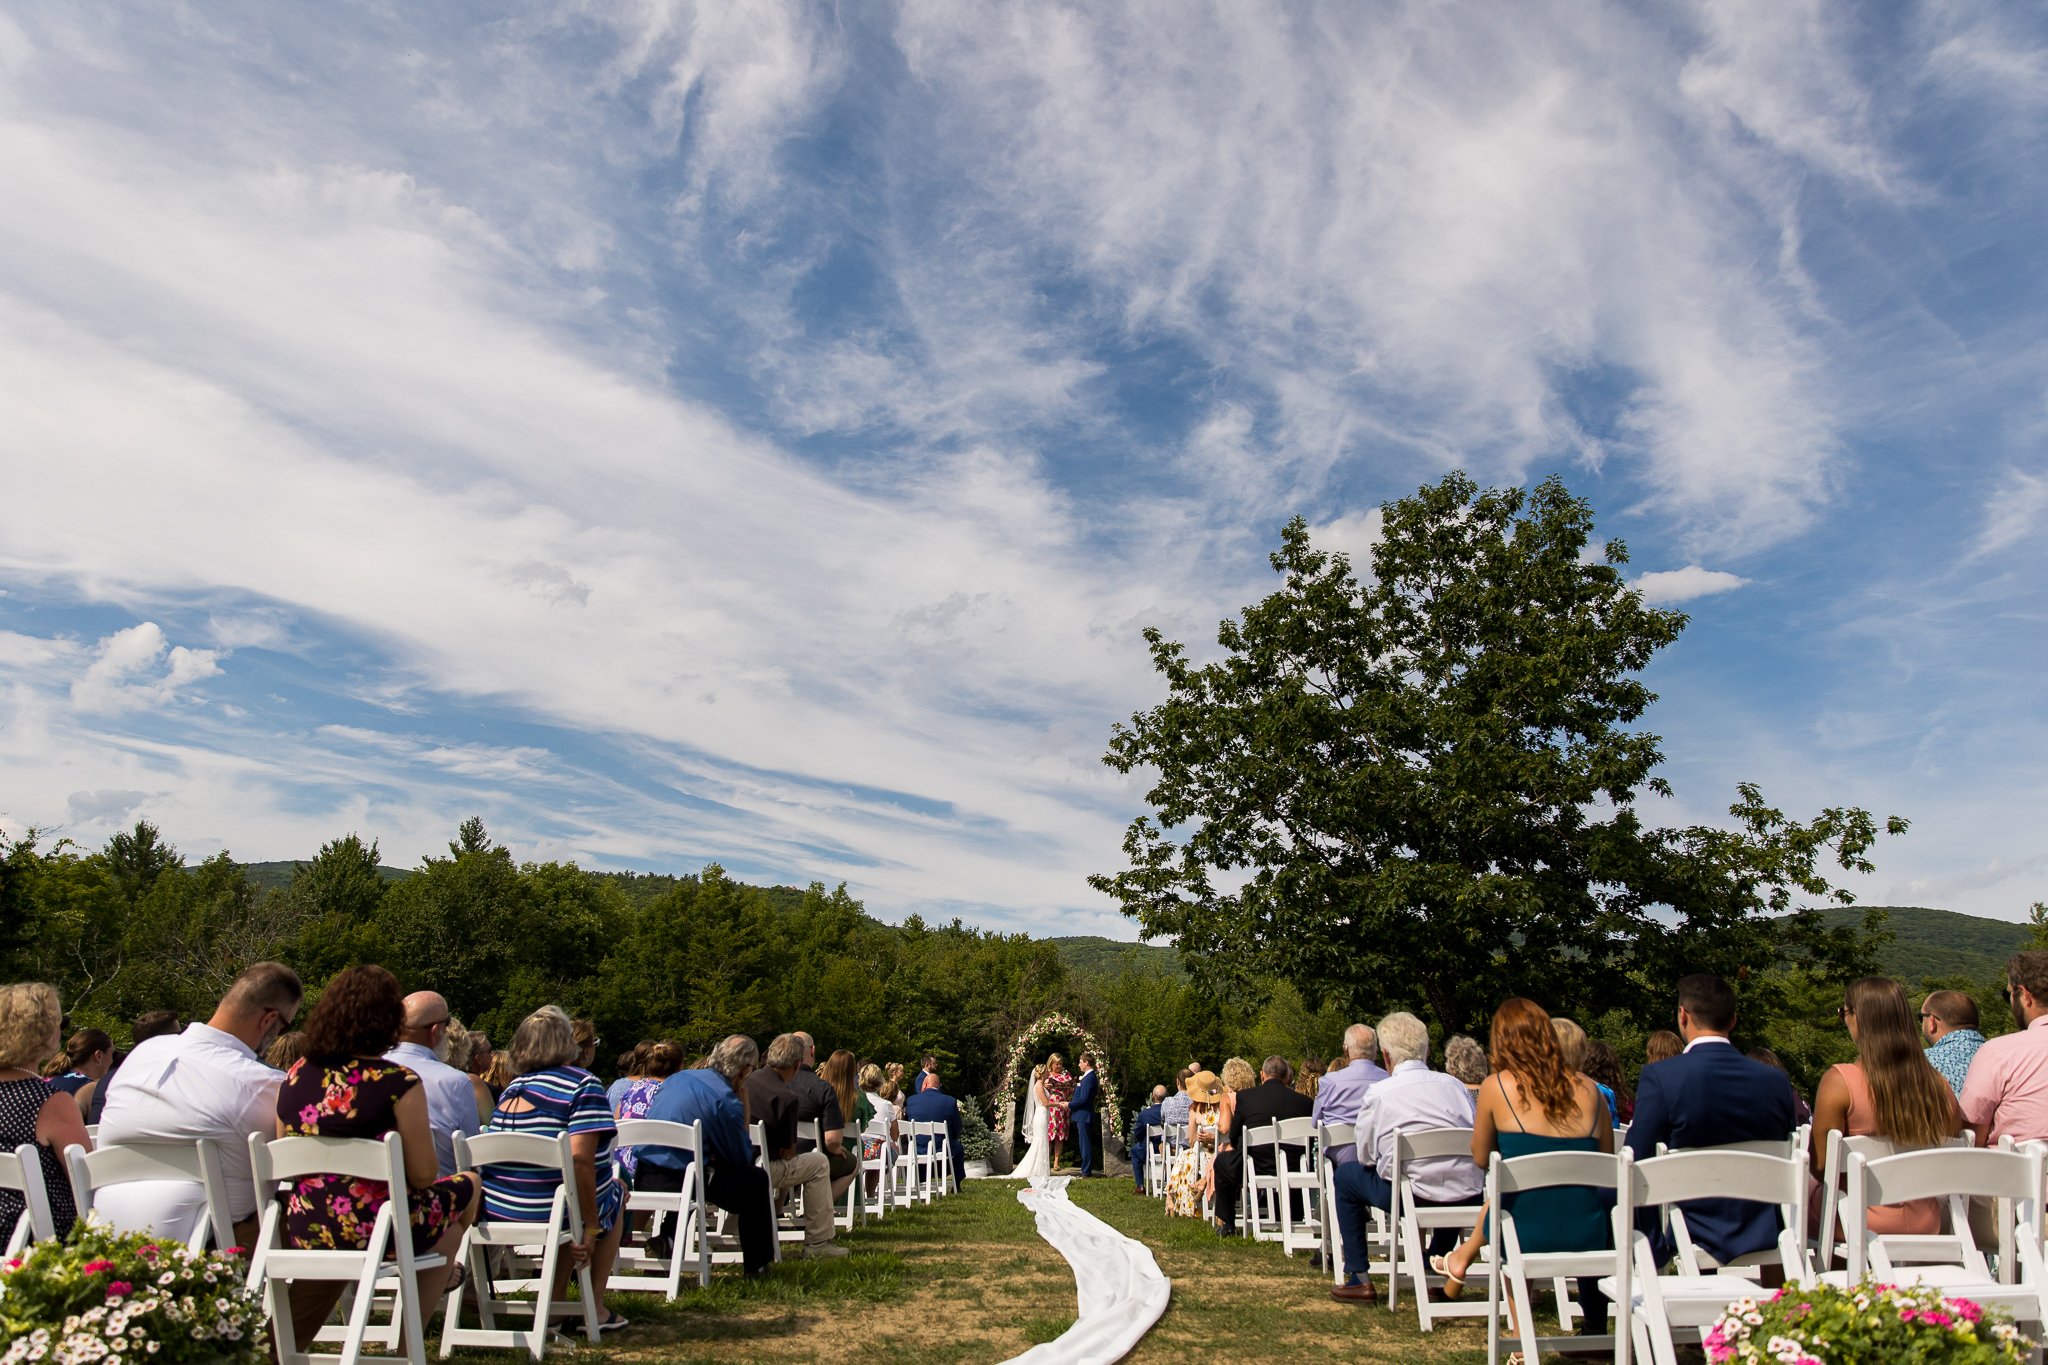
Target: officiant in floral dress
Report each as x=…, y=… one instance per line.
x=1059, y=1090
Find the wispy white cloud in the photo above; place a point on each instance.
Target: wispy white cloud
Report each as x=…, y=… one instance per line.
x=138, y=667
x=2013, y=511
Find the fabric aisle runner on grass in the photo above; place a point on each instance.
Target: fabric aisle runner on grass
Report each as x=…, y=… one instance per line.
x=1121, y=1291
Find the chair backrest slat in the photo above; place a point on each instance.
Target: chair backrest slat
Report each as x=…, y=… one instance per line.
x=684, y=1137
x=1547, y=1170
x=295, y=1158
x=1942, y=1172
x=1717, y=1172
x=1433, y=1142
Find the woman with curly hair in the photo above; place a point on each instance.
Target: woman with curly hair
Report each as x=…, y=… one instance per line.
x=1534, y=1103
x=344, y=1087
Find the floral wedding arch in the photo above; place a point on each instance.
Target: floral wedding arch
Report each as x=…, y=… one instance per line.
x=1017, y=1070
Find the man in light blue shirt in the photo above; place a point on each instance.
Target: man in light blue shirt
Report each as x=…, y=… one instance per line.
x=1343, y=1089
x=711, y=1096
x=1949, y=1019
x=451, y=1098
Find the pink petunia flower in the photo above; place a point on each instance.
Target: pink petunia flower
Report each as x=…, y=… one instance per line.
x=120, y=1289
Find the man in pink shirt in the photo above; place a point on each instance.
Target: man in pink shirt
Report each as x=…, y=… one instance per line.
x=2006, y=1091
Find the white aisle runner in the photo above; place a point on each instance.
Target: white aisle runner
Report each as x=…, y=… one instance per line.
x=1121, y=1290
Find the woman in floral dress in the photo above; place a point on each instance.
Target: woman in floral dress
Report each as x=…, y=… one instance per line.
x=1184, y=1183
x=343, y=1087
x=1059, y=1092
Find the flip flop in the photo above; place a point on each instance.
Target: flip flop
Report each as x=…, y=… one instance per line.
x=1454, y=1285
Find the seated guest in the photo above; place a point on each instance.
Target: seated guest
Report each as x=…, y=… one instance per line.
x=1534, y=1103
x=1188, y=1179
x=550, y=1096
x=1708, y=1096
x=461, y=1044
x=1572, y=1042
x=817, y=1100
x=1661, y=1046
x=933, y=1105
x=1412, y=1099
x=586, y=1043
x=343, y=1087
x=1310, y=1076
x=843, y=1076
x=881, y=1132
x=288, y=1048
x=1173, y=1112
x=1948, y=1020
x=629, y=1071
x=1603, y=1064
x=2006, y=1092
x=483, y=1060
x=1890, y=1091
x=85, y=1059
x=773, y=1104
x=1337, y=1098
x=1150, y=1120
x=206, y=1082
x=656, y=1063
x=31, y=1023
x=1465, y=1059
x=500, y=1075
x=148, y=1024
x=711, y=1096
x=451, y=1099
x=1253, y=1107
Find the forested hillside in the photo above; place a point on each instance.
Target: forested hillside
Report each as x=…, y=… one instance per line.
x=1928, y=944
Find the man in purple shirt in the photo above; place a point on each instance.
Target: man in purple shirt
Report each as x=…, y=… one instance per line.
x=1343, y=1089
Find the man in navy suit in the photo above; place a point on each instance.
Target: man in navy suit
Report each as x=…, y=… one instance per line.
x=1147, y=1121
x=1708, y=1096
x=1081, y=1116
x=932, y=1105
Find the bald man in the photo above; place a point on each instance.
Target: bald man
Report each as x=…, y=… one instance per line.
x=451, y=1099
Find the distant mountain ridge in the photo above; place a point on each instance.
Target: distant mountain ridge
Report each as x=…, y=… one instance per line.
x=1092, y=955
x=1928, y=943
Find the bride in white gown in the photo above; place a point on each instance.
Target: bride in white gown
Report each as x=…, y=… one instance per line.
x=1038, y=1154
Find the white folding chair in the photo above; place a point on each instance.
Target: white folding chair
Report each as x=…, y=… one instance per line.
x=386, y=1264
x=1952, y=1262
x=1329, y=1137
x=190, y=1163
x=21, y=1171
x=507, y=1257
x=1792, y=1148
x=1157, y=1162
x=685, y=1213
x=1257, y=1191
x=1298, y=1163
x=880, y=1169
x=1693, y=1298
x=909, y=1188
x=942, y=1158
x=1415, y=1223
x=789, y=1222
x=1514, y=1270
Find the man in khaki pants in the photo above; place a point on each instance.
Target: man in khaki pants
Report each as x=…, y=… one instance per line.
x=772, y=1103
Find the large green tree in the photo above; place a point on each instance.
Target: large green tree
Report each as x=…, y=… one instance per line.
x=1422, y=786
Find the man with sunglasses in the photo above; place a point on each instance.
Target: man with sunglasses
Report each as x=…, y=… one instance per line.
x=1948, y=1020
x=2006, y=1091
x=207, y=1082
x=423, y=1050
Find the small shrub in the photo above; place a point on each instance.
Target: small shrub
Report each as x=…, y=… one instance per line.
x=1868, y=1321
x=127, y=1297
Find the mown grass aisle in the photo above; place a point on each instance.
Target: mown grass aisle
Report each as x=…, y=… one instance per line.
x=969, y=1280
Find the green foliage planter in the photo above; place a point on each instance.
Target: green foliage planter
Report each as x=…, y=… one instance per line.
x=1869, y=1321
x=126, y=1298
x=977, y=1143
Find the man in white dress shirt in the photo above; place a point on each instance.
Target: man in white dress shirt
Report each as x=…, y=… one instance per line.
x=1411, y=1099
x=207, y=1082
x=451, y=1099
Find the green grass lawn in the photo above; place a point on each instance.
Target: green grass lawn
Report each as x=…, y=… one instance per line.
x=968, y=1279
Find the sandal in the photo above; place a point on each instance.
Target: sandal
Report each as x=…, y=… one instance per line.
x=1454, y=1285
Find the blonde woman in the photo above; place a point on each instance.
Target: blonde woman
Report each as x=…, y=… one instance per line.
x=1037, y=1128
x=31, y=1110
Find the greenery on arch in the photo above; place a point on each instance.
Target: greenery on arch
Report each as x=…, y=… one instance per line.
x=1048, y=1028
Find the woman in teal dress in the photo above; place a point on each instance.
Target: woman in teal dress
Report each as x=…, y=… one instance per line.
x=1531, y=1104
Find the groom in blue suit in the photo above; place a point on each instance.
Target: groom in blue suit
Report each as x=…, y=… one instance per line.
x=1708, y=1096
x=1081, y=1116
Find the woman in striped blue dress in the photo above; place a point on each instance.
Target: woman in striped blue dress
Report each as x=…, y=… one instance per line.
x=551, y=1095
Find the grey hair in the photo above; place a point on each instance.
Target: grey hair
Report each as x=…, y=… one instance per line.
x=1361, y=1041
x=736, y=1054
x=785, y=1053
x=545, y=1038
x=1465, y=1059
x=1404, y=1038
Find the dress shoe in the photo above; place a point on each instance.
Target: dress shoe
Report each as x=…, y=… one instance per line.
x=1354, y=1293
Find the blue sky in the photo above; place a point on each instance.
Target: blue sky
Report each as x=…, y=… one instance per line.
x=759, y=433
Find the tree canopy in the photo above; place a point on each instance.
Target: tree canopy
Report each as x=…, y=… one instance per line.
x=1424, y=786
